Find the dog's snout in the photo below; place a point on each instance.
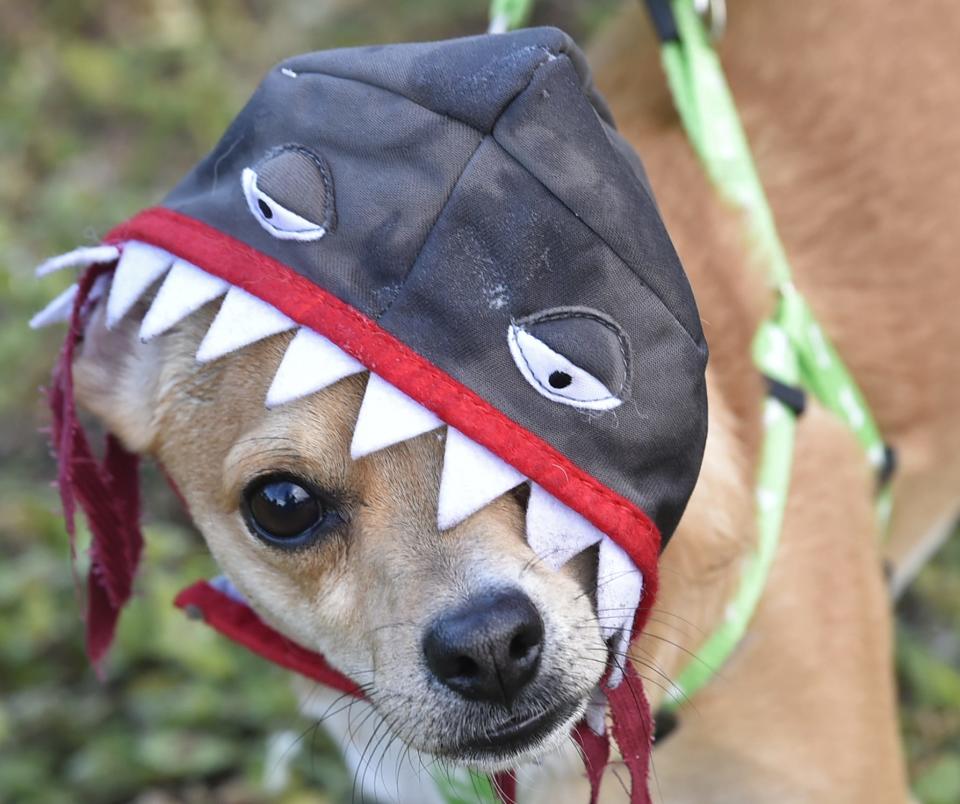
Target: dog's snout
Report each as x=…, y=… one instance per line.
x=489, y=648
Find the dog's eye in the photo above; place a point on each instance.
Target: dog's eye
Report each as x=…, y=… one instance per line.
x=287, y=512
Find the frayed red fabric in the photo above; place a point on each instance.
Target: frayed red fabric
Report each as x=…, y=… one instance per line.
x=505, y=786
x=107, y=491
x=240, y=623
x=632, y=726
x=595, y=751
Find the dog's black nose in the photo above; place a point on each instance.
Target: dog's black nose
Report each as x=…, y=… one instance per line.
x=488, y=649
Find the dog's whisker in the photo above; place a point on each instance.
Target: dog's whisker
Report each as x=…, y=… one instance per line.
x=682, y=619
x=637, y=660
x=377, y=754
x=363, y=765
x=649, y=680
x=279, y=760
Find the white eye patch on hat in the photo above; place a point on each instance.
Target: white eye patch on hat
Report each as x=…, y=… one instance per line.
x=573, y=356
x=290, y=194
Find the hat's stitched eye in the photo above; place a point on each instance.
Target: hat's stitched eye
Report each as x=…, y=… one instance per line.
x=274, y=217
x=554, y=376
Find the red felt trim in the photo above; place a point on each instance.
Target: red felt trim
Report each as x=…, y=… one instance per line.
x=632, y=726
x=312, y=306
x=595, y=751
x=240, y=623
x=505, y=786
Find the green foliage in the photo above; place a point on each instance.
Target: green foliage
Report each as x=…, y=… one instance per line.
x=103, y=106
x=928, y=665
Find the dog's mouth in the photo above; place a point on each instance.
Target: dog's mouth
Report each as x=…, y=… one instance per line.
x=501, y=744
x=519, y=734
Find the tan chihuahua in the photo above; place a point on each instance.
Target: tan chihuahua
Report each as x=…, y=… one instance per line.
x=854, y=115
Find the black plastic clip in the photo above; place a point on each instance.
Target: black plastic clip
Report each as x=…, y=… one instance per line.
x=888, y=468
x=663, y=22
x=789, y=395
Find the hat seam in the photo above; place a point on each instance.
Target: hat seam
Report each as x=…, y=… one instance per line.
x=484, y=133
x=700, y=346
x=549, y=55
x=402, y=283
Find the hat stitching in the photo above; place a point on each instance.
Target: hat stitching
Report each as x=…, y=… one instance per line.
x=531, y=376
x=566, y=313
x=549, y=56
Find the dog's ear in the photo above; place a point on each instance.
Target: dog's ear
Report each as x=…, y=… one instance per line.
x=116, y=377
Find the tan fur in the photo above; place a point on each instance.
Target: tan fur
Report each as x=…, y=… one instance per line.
x=858, y=149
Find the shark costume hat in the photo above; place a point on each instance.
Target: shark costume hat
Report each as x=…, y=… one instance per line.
x=462, y=221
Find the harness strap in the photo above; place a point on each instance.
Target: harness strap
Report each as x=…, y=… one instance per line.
x=505, y=15
x=791, y=349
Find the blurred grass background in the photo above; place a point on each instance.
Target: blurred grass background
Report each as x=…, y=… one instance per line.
x=103, y=106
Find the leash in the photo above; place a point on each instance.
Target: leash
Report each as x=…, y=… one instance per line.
x=790, y=349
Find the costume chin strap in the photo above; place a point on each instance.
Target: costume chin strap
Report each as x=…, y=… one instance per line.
x=595, y=750
x=632, y=726
x=108, y=491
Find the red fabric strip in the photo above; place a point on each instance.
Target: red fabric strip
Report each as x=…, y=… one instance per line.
x=240, y=623
x=107, y=491
x=595, y=749
x=505, y=786
x=632, y=726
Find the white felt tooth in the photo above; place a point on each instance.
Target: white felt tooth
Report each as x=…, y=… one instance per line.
x=310, y=364
x=472, y=477
x=139, y=267
x=57, y=311
x=555, y=532
x=185, y=290
x=619, y=589
x=85, y=255
x=596, y=714
x=619, y=648
x=242, y=319
x=99, y=288
x=388, y=416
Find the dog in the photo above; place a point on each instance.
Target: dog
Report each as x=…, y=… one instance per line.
x=806, y=708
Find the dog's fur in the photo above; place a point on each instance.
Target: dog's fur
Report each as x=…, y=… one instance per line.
x=852, y=112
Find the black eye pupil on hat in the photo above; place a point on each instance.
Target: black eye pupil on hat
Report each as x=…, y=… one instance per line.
x=282, y=511
x=265, y=208
x=559, y=379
